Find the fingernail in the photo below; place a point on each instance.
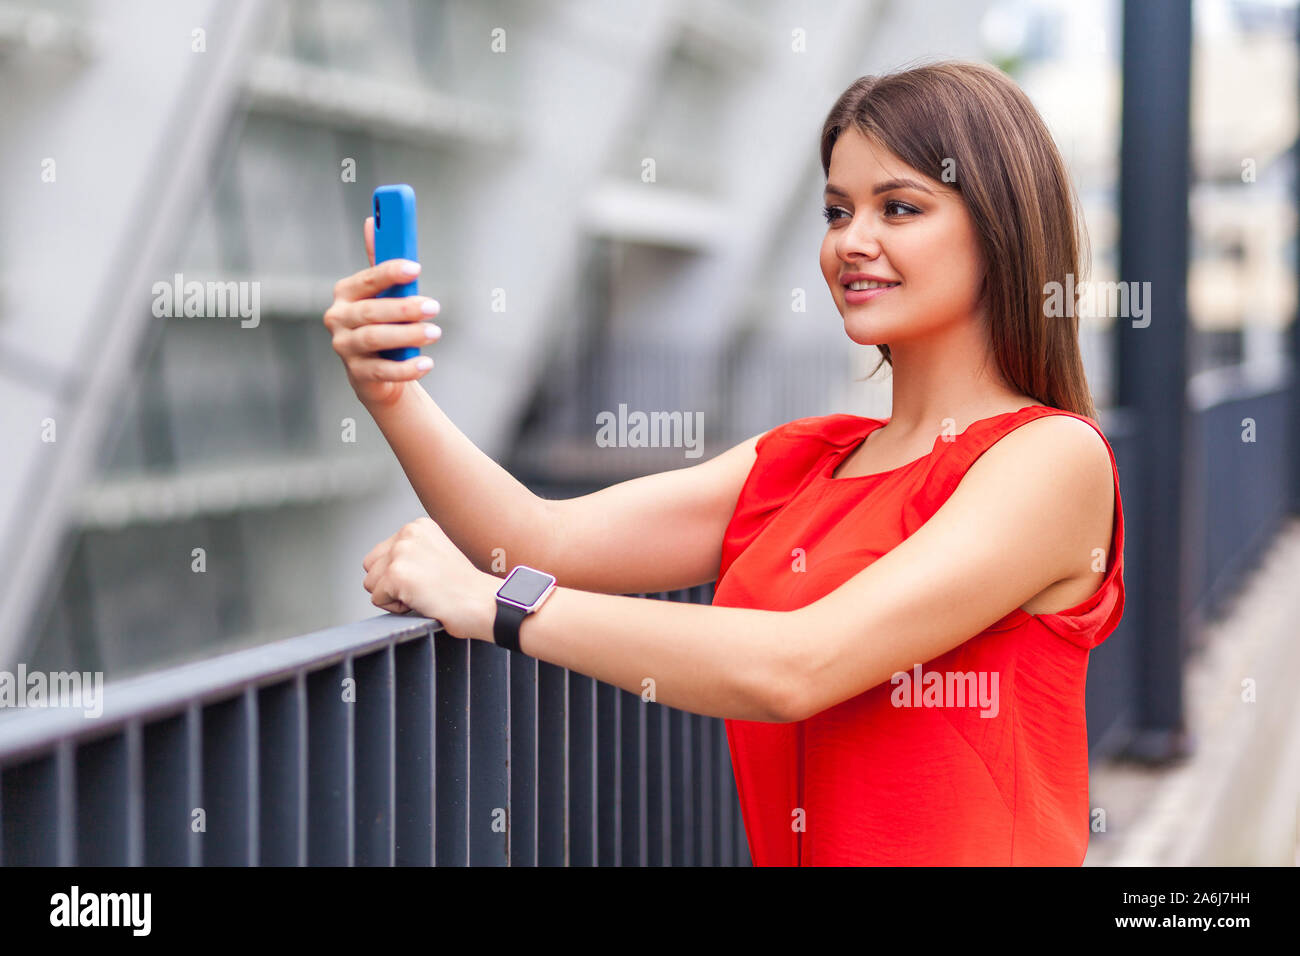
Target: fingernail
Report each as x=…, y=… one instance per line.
x=430, y=307
x=431, y=331
x=409, y=268
x=424, y=363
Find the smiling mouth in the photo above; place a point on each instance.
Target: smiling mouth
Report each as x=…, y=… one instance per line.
x=862, y=285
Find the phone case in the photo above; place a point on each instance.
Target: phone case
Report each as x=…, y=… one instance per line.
x=394, y=211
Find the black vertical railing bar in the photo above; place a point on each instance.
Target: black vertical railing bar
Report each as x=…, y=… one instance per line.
x=589, y=718
x=664, y=788
x=647, y=710
x=194, y=783
x=629, y=820
x=581, y=722
x=329, y=759
x=489, y=790
x=560, y=677
x=708, y=789
x=415, y=769
x=609, y=795
x=642, y=783
x=31, y=812
x=687, y=791
x=631, y=816
x=551, y=769
x=350, y=761
x=281, y=817
x=101, y=767
x=373, y=755
x=651, y=763
x=65, y=773
x=524, y=728
x=390, y=754
x=165, y=790
x=134, y=794
x=451, y=738
x=724, y=798
x=252, y=781
x=302, y=772
x=226, y=823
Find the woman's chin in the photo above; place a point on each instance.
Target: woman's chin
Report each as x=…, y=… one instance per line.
x=861, y=334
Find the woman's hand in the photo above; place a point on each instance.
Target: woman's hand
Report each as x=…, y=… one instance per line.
x=362, y=325
x=420, y=569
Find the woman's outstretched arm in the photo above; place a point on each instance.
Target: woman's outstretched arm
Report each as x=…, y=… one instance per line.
x=655, y=533
x=1029, y=514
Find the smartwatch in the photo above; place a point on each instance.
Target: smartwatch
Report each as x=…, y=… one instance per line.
x=522, y=593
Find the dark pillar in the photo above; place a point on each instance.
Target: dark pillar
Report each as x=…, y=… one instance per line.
x=1152, y=360
x=1293, y=417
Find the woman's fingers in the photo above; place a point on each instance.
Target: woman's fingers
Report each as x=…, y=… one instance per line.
x=377, y=552
x=368, y=283
x=376, y=565
x=351, y=315
x=387, y=370
x=368, y=339
x=359, y=350
x=368, y=230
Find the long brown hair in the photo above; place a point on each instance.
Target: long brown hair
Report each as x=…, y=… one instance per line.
x=971, y=120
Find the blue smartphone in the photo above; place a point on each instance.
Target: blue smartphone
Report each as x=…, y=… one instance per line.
x=394, y=211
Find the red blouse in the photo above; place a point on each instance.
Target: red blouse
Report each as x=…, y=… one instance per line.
x=868, y=782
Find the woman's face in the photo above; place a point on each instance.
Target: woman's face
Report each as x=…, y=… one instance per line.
x=891, y=223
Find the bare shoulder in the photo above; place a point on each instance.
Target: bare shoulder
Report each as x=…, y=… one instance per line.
x=1054, y=474
x=1065, y=449
x=1065, y=431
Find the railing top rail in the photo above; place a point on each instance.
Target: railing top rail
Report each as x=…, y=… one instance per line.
x=172, y=690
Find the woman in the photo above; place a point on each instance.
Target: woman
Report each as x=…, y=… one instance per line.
x=900, y=634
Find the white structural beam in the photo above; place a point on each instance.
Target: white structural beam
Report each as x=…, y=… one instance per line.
x=103, y=191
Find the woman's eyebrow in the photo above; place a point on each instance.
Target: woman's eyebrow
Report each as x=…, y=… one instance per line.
x=884, y=187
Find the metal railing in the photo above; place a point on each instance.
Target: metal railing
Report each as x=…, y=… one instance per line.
x=1242, y=472
x=387, y=742
x=384, y=742
x=1239, y=478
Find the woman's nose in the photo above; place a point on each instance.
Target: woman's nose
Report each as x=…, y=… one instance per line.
x=859, y=238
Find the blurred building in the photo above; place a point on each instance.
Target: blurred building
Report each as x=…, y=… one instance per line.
x=619, y=211
x=619, y=205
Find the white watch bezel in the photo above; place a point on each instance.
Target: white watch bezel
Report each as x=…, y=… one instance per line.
x=526, y=608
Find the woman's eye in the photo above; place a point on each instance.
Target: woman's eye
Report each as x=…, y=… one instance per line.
x=833, y=213
x=901, y=205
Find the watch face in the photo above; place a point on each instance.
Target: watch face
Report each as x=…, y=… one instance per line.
x=524, y=586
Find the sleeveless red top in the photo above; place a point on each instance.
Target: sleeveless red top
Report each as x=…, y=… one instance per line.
x=869, y=783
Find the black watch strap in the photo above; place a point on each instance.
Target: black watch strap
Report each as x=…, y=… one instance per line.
x=505, y=629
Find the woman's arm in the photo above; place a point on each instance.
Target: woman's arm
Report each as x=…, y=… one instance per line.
x=717, y=661
x=479, y=504
x=659, y=532
x=654, y=533
x=1024, y=517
